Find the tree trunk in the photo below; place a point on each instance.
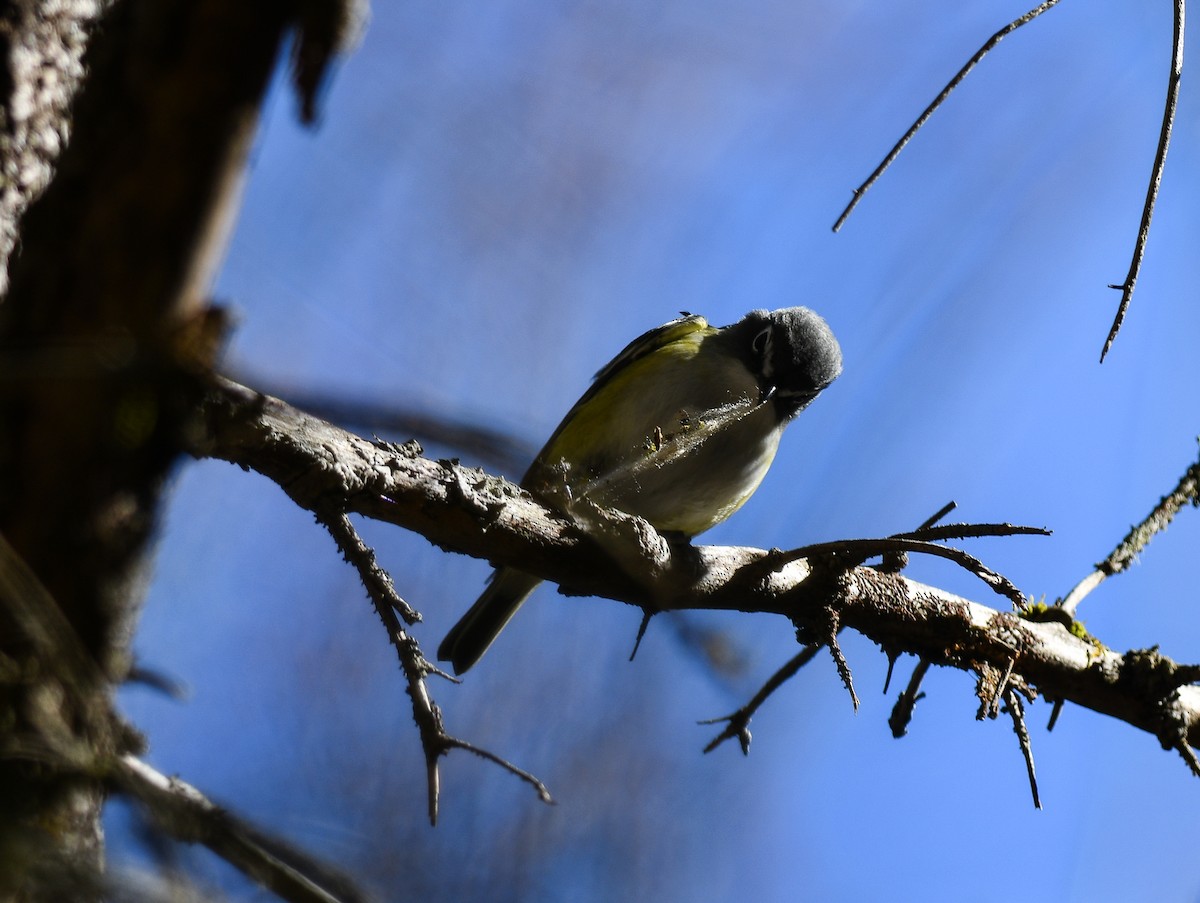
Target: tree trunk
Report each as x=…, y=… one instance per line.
x=103, y=335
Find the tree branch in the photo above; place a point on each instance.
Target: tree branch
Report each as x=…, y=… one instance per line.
x=737, y=724
x=435, y=742
x=621, y=557
x=1156, y=172
x=962, y=73
x=1186, y=491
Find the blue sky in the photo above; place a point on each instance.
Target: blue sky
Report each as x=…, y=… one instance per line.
x=498, y=197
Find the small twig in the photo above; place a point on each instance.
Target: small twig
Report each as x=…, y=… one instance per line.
x=1186, y=491
x=939, y=514
x=542, y=792
x=183, y=812
x=906, y=703
x=937, y=102
x=428, y=717
x=1160, y=160
x=969, y=531
x=377, y=581
x=991, y=688
x=1189, y=756
x=1017, y=710
x=387, y=603
x=738, y=723
x=647, y=614
x=895, y=562
x=1071, y=601
x=839, y=659
x=1054, y=713
x=869, y=548
x=892, y=657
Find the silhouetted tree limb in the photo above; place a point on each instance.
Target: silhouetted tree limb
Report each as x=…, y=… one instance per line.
x=104, y=329
x=606, y=553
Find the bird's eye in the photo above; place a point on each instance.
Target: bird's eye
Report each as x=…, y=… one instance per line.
x=761, y=341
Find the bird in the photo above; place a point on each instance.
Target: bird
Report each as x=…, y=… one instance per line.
x=679, y=429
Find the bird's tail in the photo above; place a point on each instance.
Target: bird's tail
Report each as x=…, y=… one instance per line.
x=470, y=638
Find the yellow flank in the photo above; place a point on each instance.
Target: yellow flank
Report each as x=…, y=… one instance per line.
x=606, y=429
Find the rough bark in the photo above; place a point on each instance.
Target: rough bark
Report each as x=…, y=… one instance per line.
x=102, y=333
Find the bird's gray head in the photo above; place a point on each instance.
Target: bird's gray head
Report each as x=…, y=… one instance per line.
x=793, y=353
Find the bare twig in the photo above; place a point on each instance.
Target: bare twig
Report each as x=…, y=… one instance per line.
x=869, y=548
x=991, y=687
x=937, y=102
x=892, y=657
x=530, y=779
x=1189, y=756
x=435, y=742
x=1186, y=491
x=839, y=659
x=1016, y=709
x=895, y=562
x=738, y=723
x=1071, y=601
x=1160, y=160
x=939, y=514
x=906, y=703
x=969, y=531
x=387, y=602
x=167, y=684
x=1055, y=711
x=647, y=614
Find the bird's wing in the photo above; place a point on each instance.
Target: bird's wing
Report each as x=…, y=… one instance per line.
x=647, y=343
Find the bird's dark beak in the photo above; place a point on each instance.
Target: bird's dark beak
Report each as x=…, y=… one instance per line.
x=789, y=404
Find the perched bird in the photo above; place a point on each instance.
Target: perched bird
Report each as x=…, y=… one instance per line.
x=679, y=428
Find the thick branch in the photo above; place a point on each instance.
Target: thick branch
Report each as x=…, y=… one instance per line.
x=96, y=379
x=465, y=510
